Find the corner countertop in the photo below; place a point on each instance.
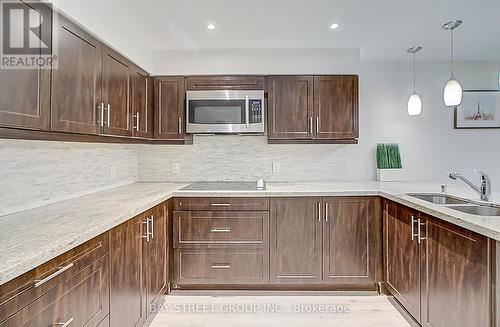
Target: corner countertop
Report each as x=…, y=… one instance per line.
x=33, y=237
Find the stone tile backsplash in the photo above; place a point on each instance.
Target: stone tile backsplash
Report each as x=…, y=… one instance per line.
x=34, y=173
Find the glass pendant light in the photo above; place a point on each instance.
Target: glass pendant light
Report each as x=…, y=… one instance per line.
x=414, y=102
x=453, y=91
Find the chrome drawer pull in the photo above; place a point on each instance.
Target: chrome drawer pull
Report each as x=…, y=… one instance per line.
x=65, y=324
x=221, y=204
x=221, y=266
x=40, y=282
x=220, y=229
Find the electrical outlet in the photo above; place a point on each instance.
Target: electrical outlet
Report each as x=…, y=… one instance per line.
x=175, y=168
x=276, y=167
x=112, y=172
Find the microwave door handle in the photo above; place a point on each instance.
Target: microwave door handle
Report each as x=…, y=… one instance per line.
x=247, y=112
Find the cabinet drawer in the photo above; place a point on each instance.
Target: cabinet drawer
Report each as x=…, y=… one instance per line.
x=216, y=227
x=82, y=299
x=221, y=267
x=222, y=204
x=18, y=293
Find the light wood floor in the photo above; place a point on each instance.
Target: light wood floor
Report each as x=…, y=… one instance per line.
x=234, y=310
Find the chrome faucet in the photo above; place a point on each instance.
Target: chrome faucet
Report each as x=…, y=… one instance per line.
x=484, y=189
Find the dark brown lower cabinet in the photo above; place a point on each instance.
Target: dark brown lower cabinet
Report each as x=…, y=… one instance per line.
x=439, y=272
x=455, y=265
x=234, y=266
x=331, y=240
x=295, y=240
x=402, y=256
x=138, y=267
x=128, y=282
x=155, y=259
x=352, y=230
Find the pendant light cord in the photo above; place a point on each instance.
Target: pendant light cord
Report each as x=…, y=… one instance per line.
x=452, y=46
x=414, y=73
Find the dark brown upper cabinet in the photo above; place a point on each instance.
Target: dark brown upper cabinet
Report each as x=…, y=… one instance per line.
x=312, y=109
x=290, y=107
x=336, y=107
x=203, y=83
x=141, y=102
x=169, y=108
x=25, y=97
x=115, y=93
x=76, y=83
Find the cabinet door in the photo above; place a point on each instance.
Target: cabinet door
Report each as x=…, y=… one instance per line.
x=336, y=107
x=115, y=93
x=169, y=108
x=128, y=283
x=455, y=276
x=156, y=258
x=351, y=250
x=141, y=102
x=76, y=85
x=402, y=256
x=290, y=107
x=295, y=240
x=25, y=97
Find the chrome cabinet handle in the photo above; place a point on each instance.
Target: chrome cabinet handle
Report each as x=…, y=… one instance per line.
x=317, y=124
x=247, y=114
x=413, y=228
x=326, y=212
x=180, y=125
x=136, y=121
x=101, y=108
x=318, y=209
x=221, y=204
x=65, y=324
x=40, y=282
x=152, y=226
x=147, y=230
x=220, y=229
x=420, y=238
x=109, y=115
x=221, y=266
x=311, y=124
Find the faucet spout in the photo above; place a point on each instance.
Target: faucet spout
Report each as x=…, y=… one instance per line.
x=484, y=189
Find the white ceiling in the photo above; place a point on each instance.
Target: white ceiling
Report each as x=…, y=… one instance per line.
x=381, y=29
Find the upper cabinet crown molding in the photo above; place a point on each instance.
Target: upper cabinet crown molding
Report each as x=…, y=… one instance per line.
x=228, y=82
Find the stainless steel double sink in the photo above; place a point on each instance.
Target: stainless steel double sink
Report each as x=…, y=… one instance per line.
x=459, y=204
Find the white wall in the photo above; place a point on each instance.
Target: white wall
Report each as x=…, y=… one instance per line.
x=256, y=61
x=34, y=173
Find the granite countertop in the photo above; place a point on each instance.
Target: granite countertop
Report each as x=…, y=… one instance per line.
x=33, y=237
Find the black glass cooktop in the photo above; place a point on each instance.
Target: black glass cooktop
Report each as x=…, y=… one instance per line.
x=221, y=186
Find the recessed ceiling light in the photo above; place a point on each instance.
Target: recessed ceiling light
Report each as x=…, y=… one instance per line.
x=334, y=26
x=211, y=27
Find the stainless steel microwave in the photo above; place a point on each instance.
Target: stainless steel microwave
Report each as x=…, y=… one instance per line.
x=214, y=112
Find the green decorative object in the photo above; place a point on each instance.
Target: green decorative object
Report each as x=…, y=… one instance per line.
x=388, y=156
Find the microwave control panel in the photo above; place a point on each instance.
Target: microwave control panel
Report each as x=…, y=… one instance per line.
x=255, y=108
